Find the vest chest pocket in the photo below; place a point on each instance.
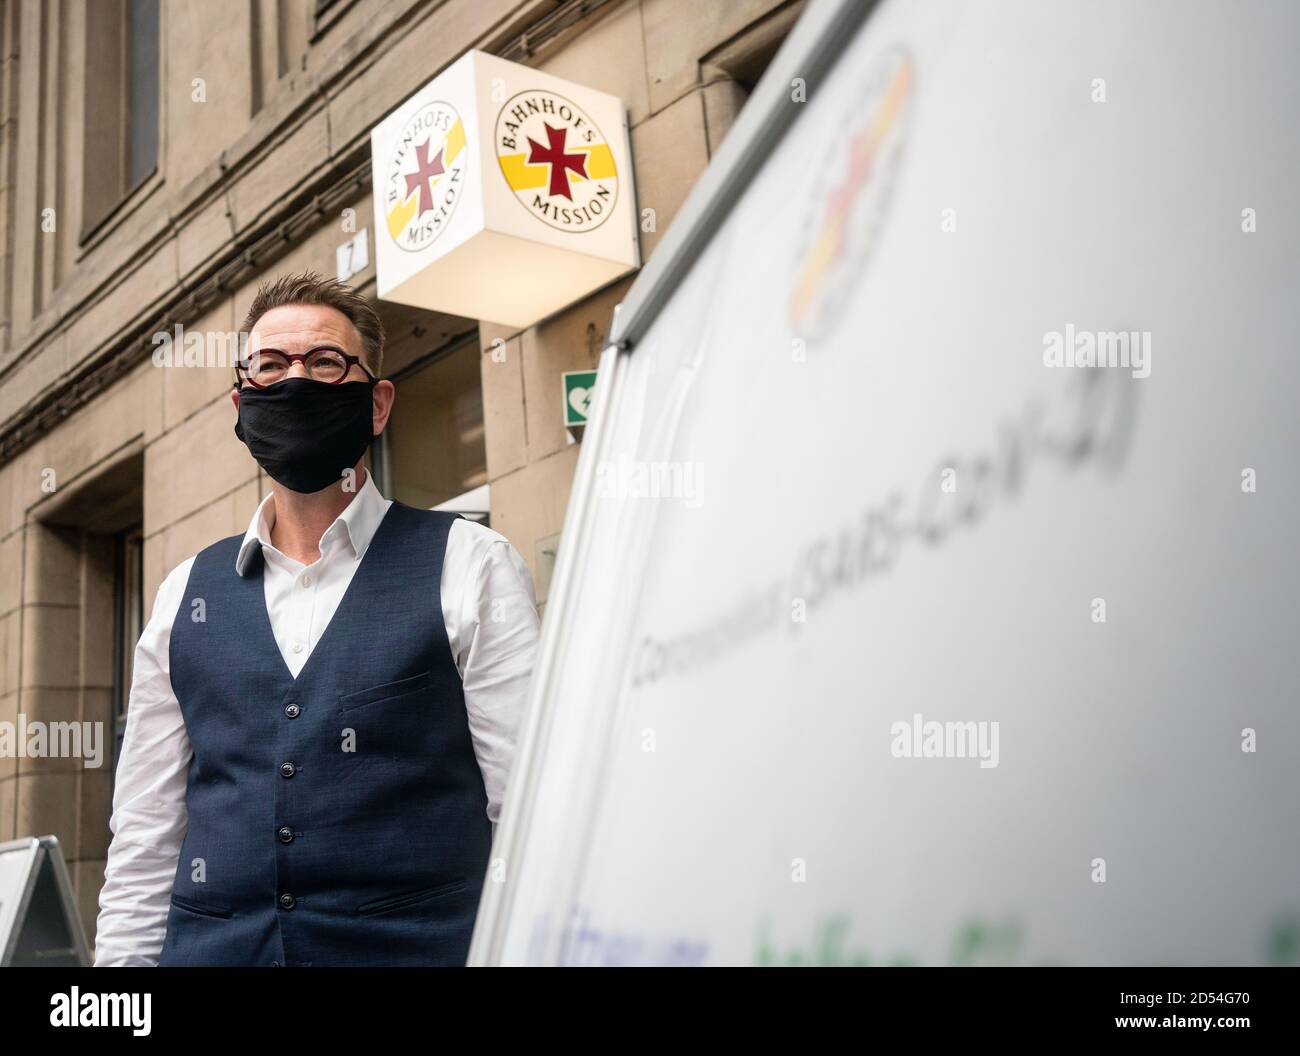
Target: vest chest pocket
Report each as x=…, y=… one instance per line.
x=203, y=909
x=411, y=898
x=385, y=691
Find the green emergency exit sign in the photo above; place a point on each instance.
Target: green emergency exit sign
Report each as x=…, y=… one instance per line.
x=579, y=388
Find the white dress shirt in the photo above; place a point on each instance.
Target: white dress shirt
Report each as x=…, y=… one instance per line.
x=490, y=612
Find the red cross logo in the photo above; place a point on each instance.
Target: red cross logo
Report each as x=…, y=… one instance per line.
x=426, y=170
x=554, y=155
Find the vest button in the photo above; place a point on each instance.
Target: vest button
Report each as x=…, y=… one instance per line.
x=287, y=769
x=286, y=835
x=286, y=901
x=292, y=710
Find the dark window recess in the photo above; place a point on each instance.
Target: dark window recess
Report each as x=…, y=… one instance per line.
x=142, y=113
x=433, y=449
x=120, y=147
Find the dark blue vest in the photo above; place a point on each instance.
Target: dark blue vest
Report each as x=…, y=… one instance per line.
x=338, y=818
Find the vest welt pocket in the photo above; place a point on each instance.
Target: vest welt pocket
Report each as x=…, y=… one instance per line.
x=384, y=691
x=411, y=898
x=203, y=909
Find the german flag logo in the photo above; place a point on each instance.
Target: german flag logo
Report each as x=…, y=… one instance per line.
x=556, y=161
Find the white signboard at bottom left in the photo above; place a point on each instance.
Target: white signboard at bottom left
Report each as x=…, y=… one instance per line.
x=39, y=925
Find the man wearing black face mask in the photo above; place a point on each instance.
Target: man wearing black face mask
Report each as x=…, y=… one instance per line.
x=323, y=711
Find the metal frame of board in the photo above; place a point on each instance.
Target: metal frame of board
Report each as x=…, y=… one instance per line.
x=43, y=849
x=812, y=49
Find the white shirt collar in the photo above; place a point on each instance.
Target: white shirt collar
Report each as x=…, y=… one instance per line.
x=357, y=524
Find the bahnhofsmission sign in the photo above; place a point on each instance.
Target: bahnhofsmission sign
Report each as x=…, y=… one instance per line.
x=502, y=193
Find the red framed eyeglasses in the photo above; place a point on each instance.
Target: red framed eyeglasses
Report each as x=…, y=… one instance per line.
x=269, y=365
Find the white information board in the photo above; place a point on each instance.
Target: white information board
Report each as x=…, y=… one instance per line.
x=886, y=629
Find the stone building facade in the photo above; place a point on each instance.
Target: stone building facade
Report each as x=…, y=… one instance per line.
x=160, y=159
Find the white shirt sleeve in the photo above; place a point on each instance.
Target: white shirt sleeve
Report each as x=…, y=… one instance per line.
x=149, y=816
x=490, y=610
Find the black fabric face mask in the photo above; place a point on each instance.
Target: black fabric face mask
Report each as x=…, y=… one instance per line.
x=305, y=433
